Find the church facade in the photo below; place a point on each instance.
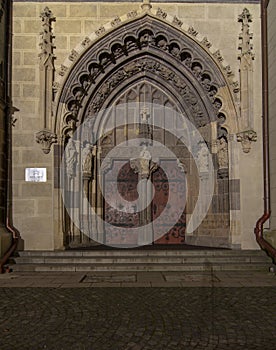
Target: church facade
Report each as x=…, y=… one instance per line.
x=138, y=123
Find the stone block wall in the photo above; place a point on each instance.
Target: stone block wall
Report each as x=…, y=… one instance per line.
x=33, y=202
x=272, y=104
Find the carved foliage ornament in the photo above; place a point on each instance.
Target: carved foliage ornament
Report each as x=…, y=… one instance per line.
x=246, y=138
x=245, y=36
x=150, y=65
x=143, y=40
x=46, y=138
x=46, y=43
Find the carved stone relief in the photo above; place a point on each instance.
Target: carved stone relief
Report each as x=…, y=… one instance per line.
x=222, y=153
x=150, y=65
x=146, y=38
x=246, y=58
x=46, y=138
x=246, y=138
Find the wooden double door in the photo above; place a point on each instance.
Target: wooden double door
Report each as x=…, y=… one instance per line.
x=165, y=213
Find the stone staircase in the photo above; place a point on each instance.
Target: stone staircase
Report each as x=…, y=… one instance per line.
x=141, y=260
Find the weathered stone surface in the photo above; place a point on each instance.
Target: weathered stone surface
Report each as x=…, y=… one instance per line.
x=24, y=207
x=85, y=10
x=30, y=91
x=272, y=106
x=24, y=10
x=30, y=190
x=24, y=42
x=24, y=74
x=68, y=26
x=190, y=11
x=111, y=10
x=32, y=26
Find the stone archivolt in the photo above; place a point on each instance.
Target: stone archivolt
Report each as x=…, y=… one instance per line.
x=147, y=44
x=100, y=64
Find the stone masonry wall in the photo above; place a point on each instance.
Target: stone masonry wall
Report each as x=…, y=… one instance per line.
x=272, y=104
x=33, y=204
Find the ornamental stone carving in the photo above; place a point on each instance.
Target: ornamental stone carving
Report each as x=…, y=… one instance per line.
x=71, y=159
x=87, y=154
x=177, y=22
x=47, y=68
x=160, y=13
x=205, y=42
x=192, y=31
x=94, y=66
x=143, y=165
x=203, y=158
x=146, y=5
x=150, y=65
x=245, y=36
x=246, y=58
x=46, y=43
x=100, y=31
x=86, y=42
x=116, y=21
x=63, y=70
x=222, y=153
x=218, y=56
x=246, y=138
x=46, y=138
x=132, y=14
x=73, y=55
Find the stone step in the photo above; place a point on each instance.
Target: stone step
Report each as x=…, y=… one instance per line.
x=139, y=267
x=133, y=252
x=138, y=259
x=142, y=260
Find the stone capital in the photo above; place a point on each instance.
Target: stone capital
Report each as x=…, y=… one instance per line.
x=45, y=138
x=246, y=138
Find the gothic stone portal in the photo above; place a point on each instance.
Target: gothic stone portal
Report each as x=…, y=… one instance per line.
x=115, y=201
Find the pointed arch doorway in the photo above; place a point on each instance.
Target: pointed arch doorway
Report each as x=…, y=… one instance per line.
x=148, y=61
x=144, y=97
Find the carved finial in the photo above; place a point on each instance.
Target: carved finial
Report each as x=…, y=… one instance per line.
x=46, y=43
x=146, y=5
x=245, y=36
x=245, y=17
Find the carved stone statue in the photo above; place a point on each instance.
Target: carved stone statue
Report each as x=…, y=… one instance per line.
x=71, y=159
x=202, y=156
x=222, y=153
x=143, y=165
x=87, y=157
x=145, y=158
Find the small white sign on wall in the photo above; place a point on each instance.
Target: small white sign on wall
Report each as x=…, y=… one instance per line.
x=36, y=174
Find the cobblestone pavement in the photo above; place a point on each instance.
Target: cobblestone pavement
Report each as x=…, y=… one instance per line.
x=138, y=318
